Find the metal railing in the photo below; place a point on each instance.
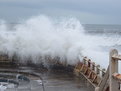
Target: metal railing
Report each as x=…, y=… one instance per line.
x=92, y=72
x=99, y=78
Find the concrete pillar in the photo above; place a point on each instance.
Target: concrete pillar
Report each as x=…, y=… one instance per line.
x=113, y=67
x=97, y=89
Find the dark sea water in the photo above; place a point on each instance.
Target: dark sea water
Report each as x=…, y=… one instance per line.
x=101, y=28
x=111, y=34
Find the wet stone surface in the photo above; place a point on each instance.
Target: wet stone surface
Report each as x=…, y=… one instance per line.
x=65, y=82
x=52, y=81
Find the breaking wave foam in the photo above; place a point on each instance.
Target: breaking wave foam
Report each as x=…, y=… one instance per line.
x=42, y=36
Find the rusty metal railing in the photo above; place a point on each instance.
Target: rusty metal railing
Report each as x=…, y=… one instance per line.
x=92, y=72
x=101, y=79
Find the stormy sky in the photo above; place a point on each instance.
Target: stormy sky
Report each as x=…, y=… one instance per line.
x=87, y=11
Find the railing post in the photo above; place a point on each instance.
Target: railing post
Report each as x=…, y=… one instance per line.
x=113, y=67
x=84, y=61
x=89, y=63
x=103, y=72
x=93, y=66
x=98, y=69
x=97, y=89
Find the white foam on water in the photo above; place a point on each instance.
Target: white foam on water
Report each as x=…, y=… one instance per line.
x=2, y=88
x=42, y=36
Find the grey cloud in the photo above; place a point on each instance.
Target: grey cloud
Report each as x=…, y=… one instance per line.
x=86, y=10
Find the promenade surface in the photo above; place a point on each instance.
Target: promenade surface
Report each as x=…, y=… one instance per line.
x=55, y=81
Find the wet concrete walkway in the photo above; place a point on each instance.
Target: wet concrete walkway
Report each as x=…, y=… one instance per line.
x=54, y=81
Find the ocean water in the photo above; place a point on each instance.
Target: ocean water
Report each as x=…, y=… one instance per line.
x=110, y=36
x=65, y=38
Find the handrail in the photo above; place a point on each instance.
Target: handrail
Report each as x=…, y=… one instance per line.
x=94, y=65
x=117, y=57
x=101, y=79
x=91, y=71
